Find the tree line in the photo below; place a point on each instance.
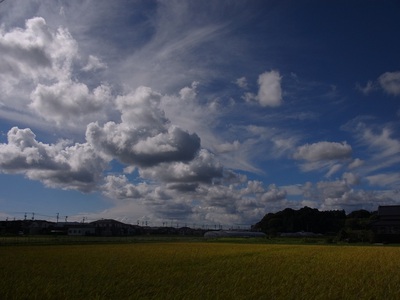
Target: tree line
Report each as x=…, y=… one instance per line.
x=354, y=226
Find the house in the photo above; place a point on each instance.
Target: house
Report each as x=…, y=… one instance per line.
x=81, y=230
x=387, y=227
x=233, y=234
x=20, y=227
x=62, y=228
x=39, y=227
x=109, y=227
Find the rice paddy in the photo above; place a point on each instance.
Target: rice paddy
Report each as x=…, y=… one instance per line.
x=199, y=270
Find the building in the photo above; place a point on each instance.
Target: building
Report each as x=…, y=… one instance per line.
x=23, y=227
x=387, y=227
x=82, y=230
x=40, y=227
x=233, y=233
x=109, y=227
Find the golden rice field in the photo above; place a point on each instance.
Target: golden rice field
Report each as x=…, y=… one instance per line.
x=199, y=270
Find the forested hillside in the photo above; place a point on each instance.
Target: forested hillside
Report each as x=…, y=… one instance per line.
x=312, y=220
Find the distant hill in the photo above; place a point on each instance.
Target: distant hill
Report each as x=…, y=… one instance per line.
x=311, y=220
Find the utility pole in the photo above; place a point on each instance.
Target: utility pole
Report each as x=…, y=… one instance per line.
x=58, y=214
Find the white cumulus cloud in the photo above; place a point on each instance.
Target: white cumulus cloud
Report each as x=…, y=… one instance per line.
x=203, y=168
x=144, y=137
x=56, y=165
x=390, y=82
x=93, y=64
x=241, y=82
x=39, y=66
x=323, y=151
x=68, y=102
x=270, y=91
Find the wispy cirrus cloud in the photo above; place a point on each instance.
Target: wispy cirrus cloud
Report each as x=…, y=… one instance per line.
x=391, y=180
x=323, y=155
x=368, y=88
x=389, y=82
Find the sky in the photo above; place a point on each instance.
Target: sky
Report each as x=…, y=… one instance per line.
x=197, y=112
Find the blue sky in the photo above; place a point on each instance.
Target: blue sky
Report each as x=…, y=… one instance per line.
x=197, y=112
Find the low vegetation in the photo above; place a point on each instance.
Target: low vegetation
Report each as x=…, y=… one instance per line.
x=199, y=270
